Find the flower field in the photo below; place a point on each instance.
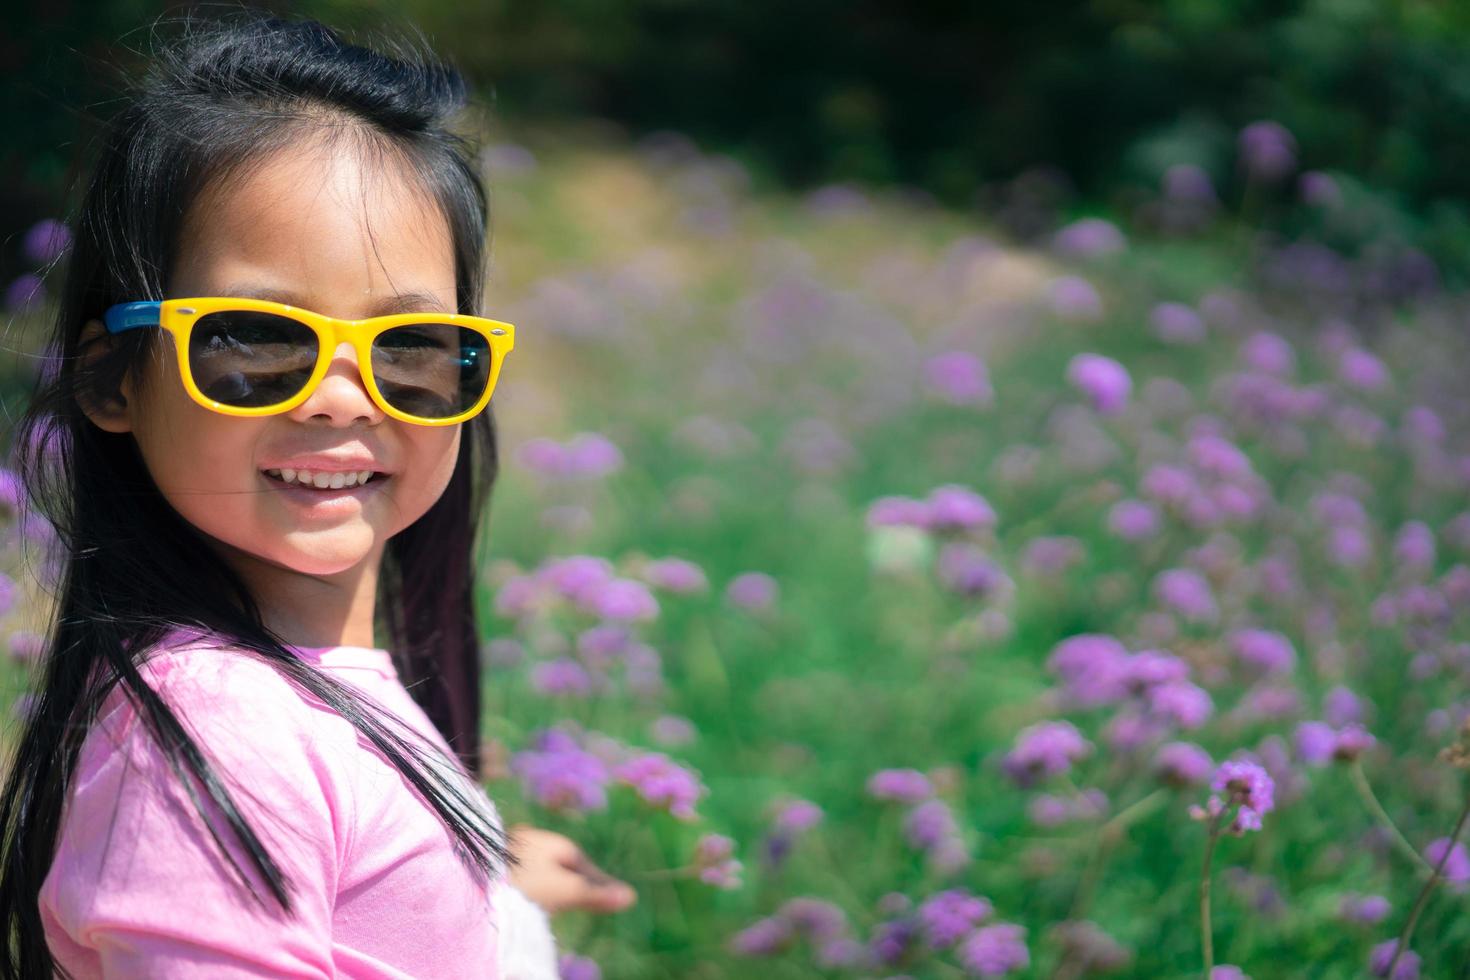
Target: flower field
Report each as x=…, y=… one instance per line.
x=885, y=597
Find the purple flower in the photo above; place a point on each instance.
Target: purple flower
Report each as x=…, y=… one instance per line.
x=1177, y=323
x=576, y=575
x=1103, y=380
x=1089, y=238
x=1247, y=784
x=965, y=569
x=755, y=591
x=795, y=816
x=958, y=508
x=1074, y=298
x=620, y=599
x=929, y=823
x=713, y=857
x=1352, y=741
x=662, y=782
x=1045, y=749
x=1093, y=668
x=1342, y=707
x=672, y=730
x=1227, y=972
x=900, y=785
x=1267, y=150
x=1187, y=183
x=573, y=967
x=815, y=918
x=764, y=937
x=559, y=774
x=1269, y=702
x=1413, y=547
x=46, y=240
x=586, y=455
x=1269, y=353
x=1046, y=810
x=1423, y=424
x=24, y=705
x=837, y=199
x=604, y=643
x=675, y=575
x=1363, y=909
x=11, y=490
x=892, y=940
x=946, y=916
x=562, y=676
x=1187, y=593
x=1051, y=554
x=898, y=512
x=1169, y=485
x=995, y=950
x=25, y=292
x=1315, y=742
x=26, y=646
x=1150, y=668
x=1456, y=870
x=1182, y=764
x=1382, y=955
x=1180, y=703
x=517, y=597
x=1266, y=650
x=1360, y=369
x=9, y=592
x=1133, y=520
x=591, y=455
x=960, y=378
x=1318, y=189
x=842, y=951
x=1219, y=457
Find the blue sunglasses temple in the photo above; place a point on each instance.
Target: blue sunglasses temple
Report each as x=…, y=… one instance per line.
x=129, y=316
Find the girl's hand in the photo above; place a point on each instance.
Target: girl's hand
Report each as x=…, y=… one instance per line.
x=556, y=875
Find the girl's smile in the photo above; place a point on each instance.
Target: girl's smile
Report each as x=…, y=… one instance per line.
x=322, y=493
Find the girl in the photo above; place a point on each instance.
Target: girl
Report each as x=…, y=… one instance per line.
x=222, y=774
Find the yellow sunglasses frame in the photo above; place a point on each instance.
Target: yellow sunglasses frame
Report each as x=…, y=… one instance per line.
x=178, y=317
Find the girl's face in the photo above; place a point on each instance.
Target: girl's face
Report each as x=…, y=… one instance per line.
x=315, y=230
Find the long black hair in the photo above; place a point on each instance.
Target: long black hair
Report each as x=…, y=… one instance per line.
x=219, y=97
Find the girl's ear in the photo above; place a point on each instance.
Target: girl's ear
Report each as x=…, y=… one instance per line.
x=114, y=414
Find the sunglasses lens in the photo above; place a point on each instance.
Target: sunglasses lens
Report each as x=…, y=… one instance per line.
x=249, y=359
x=432, y=370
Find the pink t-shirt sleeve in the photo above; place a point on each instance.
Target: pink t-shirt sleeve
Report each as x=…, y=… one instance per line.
x=138, y=888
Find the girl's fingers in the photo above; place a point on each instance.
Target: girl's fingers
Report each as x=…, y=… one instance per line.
x=602, y=892
x=613, y=896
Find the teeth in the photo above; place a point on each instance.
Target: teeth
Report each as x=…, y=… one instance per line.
x=322, y=481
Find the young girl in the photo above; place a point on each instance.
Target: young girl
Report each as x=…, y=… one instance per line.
x=265, y=444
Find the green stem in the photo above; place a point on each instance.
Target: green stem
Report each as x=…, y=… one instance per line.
x=1103, y=840
x=1403, y=943
x=651, y=873
x=1370, y=800
x=1204, y=898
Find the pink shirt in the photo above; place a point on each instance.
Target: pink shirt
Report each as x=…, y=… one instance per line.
x=138, y=889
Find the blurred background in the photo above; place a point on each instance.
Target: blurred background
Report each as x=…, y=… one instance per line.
x=942, y=440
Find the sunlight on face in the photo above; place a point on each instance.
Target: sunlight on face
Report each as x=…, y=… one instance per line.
x=342, y=240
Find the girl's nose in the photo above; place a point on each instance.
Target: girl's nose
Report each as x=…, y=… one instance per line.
x=342, y=397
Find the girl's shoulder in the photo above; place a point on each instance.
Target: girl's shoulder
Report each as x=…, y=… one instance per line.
x=213, y=687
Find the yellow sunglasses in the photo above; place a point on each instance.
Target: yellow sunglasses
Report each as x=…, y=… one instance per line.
x=254, y=357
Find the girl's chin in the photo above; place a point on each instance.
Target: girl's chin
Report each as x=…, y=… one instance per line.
x=320, y=554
